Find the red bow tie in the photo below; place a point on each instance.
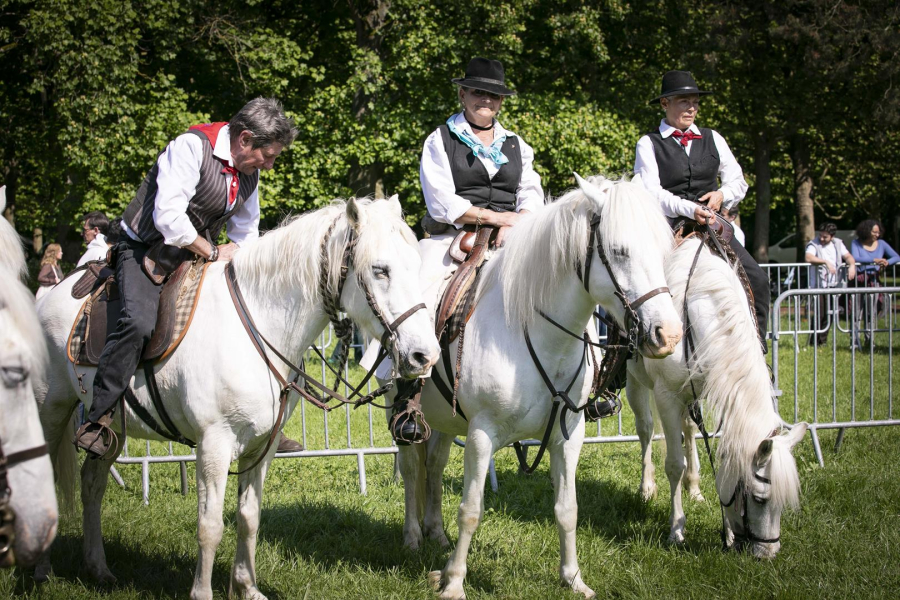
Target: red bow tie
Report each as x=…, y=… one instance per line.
x=686, y=136
x=235, y=182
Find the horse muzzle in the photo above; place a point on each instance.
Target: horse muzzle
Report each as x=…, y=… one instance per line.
x=417, y=362
x=662, y=340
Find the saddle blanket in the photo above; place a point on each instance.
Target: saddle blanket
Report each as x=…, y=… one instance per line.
x=100, y=311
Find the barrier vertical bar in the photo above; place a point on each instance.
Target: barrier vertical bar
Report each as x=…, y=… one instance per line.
x=361, y=468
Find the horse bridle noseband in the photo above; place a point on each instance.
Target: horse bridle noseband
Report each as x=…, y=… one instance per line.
x=12, y=377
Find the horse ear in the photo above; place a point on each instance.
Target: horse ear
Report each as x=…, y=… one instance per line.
x=592, y=191
x=356, y=214
x=764, y=452
x=796, y=434
x=637, y=179
x=394, y=204
x=2, y=198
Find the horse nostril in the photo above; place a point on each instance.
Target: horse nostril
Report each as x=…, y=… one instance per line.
x=418, y=359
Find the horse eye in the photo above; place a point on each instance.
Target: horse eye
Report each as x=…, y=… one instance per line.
x=759, y=499
x=620, y=252
x=13, y=376
x=381, y=272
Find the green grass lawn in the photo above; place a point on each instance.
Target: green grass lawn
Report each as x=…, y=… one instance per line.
x=321, y=539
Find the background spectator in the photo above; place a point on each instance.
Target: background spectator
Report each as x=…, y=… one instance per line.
x=874, y=255
x=94, y=226
x=50, y=273
x=829, y=253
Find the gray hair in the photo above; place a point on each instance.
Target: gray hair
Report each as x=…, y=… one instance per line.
x=265, y=119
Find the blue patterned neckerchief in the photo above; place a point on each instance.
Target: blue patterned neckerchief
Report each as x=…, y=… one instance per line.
x=493, y=151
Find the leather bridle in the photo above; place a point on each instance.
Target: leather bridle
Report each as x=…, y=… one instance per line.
x=613, y=359
x=12, y=377
x=740, y=490
x=333, y=305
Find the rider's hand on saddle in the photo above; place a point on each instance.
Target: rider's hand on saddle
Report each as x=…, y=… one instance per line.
x=227, y=251
x=703, y=215
x=713, y=200
x=505, y=221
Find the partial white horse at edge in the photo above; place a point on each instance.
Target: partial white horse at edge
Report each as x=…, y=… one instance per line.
x=756, y=473
x=501, y=391
x=32, y=499
x=216, y=387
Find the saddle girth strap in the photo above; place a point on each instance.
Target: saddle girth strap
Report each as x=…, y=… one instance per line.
x=144, y=415
x=153, y=390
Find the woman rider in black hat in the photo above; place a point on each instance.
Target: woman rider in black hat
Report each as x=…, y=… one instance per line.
x=473, y=172
x=693, y=173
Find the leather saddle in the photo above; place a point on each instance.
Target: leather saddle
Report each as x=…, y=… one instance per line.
x=469, y=248
x=100, y=312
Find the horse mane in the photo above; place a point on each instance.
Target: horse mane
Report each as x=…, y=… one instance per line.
x=285, y=261
x=12, y=255
x=737, y=391
x=545, y=246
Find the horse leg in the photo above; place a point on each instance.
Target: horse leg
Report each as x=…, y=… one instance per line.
x=639, y=400
x=670, y=412
x=437, y=455
x=55, y=408
x=94, y=477
x=691, y=479
x=480, y=446
x=213, y=458
x=250, y=488
x=563, y=463
x=412, y=468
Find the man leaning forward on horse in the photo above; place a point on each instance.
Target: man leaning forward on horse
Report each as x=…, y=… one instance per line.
x=205, y=179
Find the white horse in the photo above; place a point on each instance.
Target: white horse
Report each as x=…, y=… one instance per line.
x=216, y=387
x=31, y=500
x=501, y=391
x=757, y=476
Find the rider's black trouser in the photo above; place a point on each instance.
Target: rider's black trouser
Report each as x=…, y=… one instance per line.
x=139, y=298
x=759, y=284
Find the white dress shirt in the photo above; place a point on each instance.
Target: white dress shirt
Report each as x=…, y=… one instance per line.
x=444, y=205
x=179, y=174
x=733, y=187
x=96, y=250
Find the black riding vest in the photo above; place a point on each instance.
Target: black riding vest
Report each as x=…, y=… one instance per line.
x=687, y=176
x=207, y=210
x=471, y=177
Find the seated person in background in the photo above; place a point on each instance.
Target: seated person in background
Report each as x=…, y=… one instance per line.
x=50, y=273
x=730, y=214
x=94, y=227
x=873, y=253
x=829, y=253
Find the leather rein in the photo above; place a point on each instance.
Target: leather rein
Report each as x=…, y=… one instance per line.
x=613, y=359
x=332, y=307
x=12, y=377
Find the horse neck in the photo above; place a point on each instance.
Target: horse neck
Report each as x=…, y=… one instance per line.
x=279, y=280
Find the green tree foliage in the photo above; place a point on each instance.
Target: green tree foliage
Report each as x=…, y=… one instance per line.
x=90, y=92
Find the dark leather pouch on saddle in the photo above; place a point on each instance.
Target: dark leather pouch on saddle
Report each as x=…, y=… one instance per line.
x=432, y=227
x=161, y=260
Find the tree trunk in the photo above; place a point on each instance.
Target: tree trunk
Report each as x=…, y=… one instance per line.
x=803, y=185
x=369, y=17
x=762, y=155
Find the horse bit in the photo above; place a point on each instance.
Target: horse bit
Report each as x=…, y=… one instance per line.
x=13, y=377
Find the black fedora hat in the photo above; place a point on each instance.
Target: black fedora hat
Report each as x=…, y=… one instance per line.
x=485, y=74
x=678, y=83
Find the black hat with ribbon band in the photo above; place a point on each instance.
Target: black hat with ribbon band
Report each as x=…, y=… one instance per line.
x=678, y=83
x=485, y=74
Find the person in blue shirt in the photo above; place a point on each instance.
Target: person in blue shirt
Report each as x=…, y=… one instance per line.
x=873, y=255
x=873, y=252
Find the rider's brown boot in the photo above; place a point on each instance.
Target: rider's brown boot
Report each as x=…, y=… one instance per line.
x=96, y=438
x=286, y=444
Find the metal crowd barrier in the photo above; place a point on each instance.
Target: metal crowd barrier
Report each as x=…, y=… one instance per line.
x=796, y=313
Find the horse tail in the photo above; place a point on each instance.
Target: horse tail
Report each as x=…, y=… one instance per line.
x=65, y=464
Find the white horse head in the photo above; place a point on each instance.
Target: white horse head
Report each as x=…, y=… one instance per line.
x=758, y=477
x=635, y=237
x=32, y=499
x=385, y=259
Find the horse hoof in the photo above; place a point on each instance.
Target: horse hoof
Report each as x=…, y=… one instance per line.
x=413, y=542
x=697, y=497
x=434, y=580
x=648, y=493
x=103, y=576
x=676, y=539
x=41, y=575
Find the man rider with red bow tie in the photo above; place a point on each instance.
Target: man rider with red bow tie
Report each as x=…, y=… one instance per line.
x=693, y=173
